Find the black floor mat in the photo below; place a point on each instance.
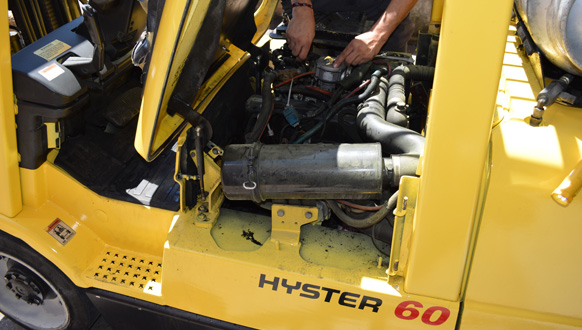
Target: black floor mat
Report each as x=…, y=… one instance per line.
x=108, y=164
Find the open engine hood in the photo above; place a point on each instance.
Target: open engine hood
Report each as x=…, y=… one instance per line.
x=193, y=42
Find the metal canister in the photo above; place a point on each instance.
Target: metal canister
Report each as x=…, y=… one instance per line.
x=319, y=171
x=555, y=28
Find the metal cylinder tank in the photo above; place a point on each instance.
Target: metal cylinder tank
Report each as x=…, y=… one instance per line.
x=555, y=28
x=319, y=171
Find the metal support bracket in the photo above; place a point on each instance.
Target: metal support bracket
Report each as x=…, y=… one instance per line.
x=287, y=221
x=404, y=216
x=207, y=209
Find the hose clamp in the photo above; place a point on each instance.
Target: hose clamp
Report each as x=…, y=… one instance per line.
x=250, y=184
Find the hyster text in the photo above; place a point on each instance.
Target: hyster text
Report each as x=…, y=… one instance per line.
x=312, y=291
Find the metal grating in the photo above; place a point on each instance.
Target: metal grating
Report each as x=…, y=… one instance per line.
x=143, y=273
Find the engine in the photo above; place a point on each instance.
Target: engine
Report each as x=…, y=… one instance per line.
x=338, y=137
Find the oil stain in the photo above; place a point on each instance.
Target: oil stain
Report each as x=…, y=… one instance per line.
x=250, y=236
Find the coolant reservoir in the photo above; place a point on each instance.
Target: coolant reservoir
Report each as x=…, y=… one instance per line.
x=555, y=28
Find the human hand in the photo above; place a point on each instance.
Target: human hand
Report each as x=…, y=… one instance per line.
x=361, y=49
x=301, y=31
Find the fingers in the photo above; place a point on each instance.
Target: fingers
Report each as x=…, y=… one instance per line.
x=340, y=59
x=299, y=49
x=303, y=52
x=350, y=56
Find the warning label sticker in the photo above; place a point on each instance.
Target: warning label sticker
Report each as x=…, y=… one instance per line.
x=51, y=72
x=60, y=231
x=52, y=50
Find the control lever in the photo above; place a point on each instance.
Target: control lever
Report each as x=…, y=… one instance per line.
x=571, y=185
x=86, y=65
x=199, y=145
x=547, y=97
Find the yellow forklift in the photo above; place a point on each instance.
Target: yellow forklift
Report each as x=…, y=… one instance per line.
x=164, y=166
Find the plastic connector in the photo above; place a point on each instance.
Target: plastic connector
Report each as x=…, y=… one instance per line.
x=291, y=115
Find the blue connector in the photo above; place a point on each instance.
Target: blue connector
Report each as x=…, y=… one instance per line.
x=291, y=115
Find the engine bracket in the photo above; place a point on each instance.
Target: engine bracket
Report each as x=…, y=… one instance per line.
x=287, y=221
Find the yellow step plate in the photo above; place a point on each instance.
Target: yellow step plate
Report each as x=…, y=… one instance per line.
x=128, y=269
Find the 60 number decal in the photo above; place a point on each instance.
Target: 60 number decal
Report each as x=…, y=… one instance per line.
x=408, y=310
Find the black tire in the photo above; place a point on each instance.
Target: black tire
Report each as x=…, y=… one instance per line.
x=58, y=292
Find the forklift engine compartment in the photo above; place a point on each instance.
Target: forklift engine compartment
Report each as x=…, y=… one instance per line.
x=252, y=159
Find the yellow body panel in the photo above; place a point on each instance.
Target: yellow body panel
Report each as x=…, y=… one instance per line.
x=101, y=225
x=263, y=17
x=224, y=276
x=528, y=246
x=436, y=16
x=459, y=124
x=10, y=200
x=155, y=125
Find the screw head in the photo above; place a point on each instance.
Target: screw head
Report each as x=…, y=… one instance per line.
x=308, y=215
x=401, y=106
x=280, y=213
x=201, y=217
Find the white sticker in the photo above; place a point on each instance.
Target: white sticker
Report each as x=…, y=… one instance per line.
x=60, y=231
x=51, y=72
x=52, y=50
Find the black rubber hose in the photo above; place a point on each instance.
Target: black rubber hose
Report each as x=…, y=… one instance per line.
x=368, y=221
x=266, y=107
x=394, y=139
x=396, y=103
x=420, y=72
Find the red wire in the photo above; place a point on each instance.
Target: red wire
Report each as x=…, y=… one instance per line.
x=365, y=83
x=277, y=86
x=296, y=77
x=359, y=88
x=267, y=124
x=319, y=90
x=361, y=207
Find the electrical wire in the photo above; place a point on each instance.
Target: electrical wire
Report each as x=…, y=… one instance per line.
x=319, y=90
x=360, y=207
x=368, y=221
x=296, y=77
x=357, y=89
x=267, y=123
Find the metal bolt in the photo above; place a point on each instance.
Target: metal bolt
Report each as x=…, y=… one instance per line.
x=201, y=217
x=401, y=106
x=308, y=215
x=280, y=213
x=203, y=208
x=215, y=151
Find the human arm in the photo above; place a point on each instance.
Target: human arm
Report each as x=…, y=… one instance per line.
x=301, y=30
x=365, y=46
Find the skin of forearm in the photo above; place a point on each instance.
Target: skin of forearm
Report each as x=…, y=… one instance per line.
x=392, y=16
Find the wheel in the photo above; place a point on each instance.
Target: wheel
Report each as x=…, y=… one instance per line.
x=36, y=294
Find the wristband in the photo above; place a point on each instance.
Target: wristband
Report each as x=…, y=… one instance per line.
x=300, y=4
